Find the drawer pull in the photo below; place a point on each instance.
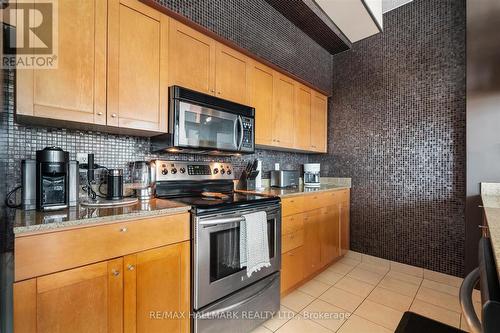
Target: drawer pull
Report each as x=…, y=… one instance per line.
x=130, y=267
x=115, y=272
x=124, y=229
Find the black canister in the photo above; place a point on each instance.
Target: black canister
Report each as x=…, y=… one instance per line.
x=115, y=184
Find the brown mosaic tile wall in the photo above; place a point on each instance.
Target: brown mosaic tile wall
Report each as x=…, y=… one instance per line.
x=397, y=127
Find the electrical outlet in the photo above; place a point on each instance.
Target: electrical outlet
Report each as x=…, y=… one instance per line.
x=82, y=158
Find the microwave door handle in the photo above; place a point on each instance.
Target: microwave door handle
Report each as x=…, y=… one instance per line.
x=235, y=132
x=240, y=122
x=222, y=221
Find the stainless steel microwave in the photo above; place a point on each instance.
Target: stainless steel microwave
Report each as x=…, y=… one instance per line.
x=201, y=123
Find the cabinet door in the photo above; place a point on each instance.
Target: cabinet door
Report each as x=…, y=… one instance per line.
x=85, y=299
x=319, y=126
x=192, y=59
x=312, y=242
x=283, y=111
x=261, y=98
x=231, y=74
x=302, y=132
x=292, y=268
x=329, y=231
x=137, y=66
x=344, y=227
x=157, y=281
x=76, y=90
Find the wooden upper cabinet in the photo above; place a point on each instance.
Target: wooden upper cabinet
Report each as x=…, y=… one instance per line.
x=76, y=90
x=85, y=299
x=261, y=98
x=302, y=138
x=231, y=74
x=319, y=118
x=192, y=58
x=157, y=280
x=283, y=111
x=137, y=66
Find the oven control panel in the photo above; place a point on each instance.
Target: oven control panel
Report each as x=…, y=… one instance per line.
x=187, y=170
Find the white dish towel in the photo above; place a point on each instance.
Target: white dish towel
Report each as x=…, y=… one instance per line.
x=254, y=246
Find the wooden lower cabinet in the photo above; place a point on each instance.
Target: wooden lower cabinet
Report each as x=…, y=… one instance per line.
x=315, y=233
x=292, y=268
x=85, y=299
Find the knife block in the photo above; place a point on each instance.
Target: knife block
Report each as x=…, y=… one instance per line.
x=244, y=183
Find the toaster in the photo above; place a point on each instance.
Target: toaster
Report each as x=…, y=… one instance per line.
x=285, y=178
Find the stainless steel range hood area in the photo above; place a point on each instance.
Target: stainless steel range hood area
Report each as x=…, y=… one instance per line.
x=204, y=124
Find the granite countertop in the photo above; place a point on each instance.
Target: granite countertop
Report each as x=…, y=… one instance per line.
x=300, y=190
x=490, y=195
x=33, y=221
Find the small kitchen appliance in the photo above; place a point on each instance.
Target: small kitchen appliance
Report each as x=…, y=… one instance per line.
x=311, y=174
x=143, y=179
x=221, y=287
x=201, y=123
x=285, y=178
x=114, y=182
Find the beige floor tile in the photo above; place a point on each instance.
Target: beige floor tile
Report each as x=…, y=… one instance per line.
x=340, y=268
x=365, y=276
x=325, y=314
x=379, y=314
x=444, y=288
x=436, y=312
x=342, y=299
x=405, y=277
x=375, y=260
x=356, y=324
x=463, y=324
x=279, y=318
x=349, y=261
x=373, y=267
x=442, y=278
x=297, y=300
x=354, y=286
x=407, y=269
x=353, y=255
x=329, y=277
x=261, y=329
x=391, y=299
x=398, y=286
x=301, y=325
x=438, y=298
x=315, y=288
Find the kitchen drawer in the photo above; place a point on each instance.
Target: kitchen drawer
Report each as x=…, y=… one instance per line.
x=292, y=268
x=47, y=253
x=292, y=223
x=293, y=205
x=292, y=241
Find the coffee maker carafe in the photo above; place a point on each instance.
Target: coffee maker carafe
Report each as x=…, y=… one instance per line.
x=311, y=174
x=52, y=179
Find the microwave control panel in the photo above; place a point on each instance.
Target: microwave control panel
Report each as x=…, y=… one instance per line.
x=248, y=134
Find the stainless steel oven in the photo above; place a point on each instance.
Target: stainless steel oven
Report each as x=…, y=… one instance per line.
x=216, y=257
x=204, y=123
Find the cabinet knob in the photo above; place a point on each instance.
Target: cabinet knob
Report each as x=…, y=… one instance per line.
x=99, y=113
x=130, y=267
x=124, y=229
x=218, y=92
x=212, y=90
x=115, y=272
x=113, y=115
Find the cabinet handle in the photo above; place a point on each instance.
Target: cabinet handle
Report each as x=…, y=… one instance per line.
x=124, y=229
x=115, y=272
x=130, y=267
x=113, y=115
x=218, y=92
x=99, y=113
x=483, y=227
x=212, y=90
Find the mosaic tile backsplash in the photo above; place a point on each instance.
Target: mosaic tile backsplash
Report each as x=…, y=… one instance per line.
x=397, y=127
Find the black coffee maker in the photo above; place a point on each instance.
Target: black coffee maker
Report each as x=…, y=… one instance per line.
x=52, y=179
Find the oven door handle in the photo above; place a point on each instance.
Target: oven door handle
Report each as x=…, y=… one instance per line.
x=243, y=302
x=222, y=221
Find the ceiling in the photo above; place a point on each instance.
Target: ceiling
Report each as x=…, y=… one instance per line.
x=388, y=5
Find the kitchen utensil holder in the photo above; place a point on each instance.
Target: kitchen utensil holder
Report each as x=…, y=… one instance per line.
x=244, y=183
